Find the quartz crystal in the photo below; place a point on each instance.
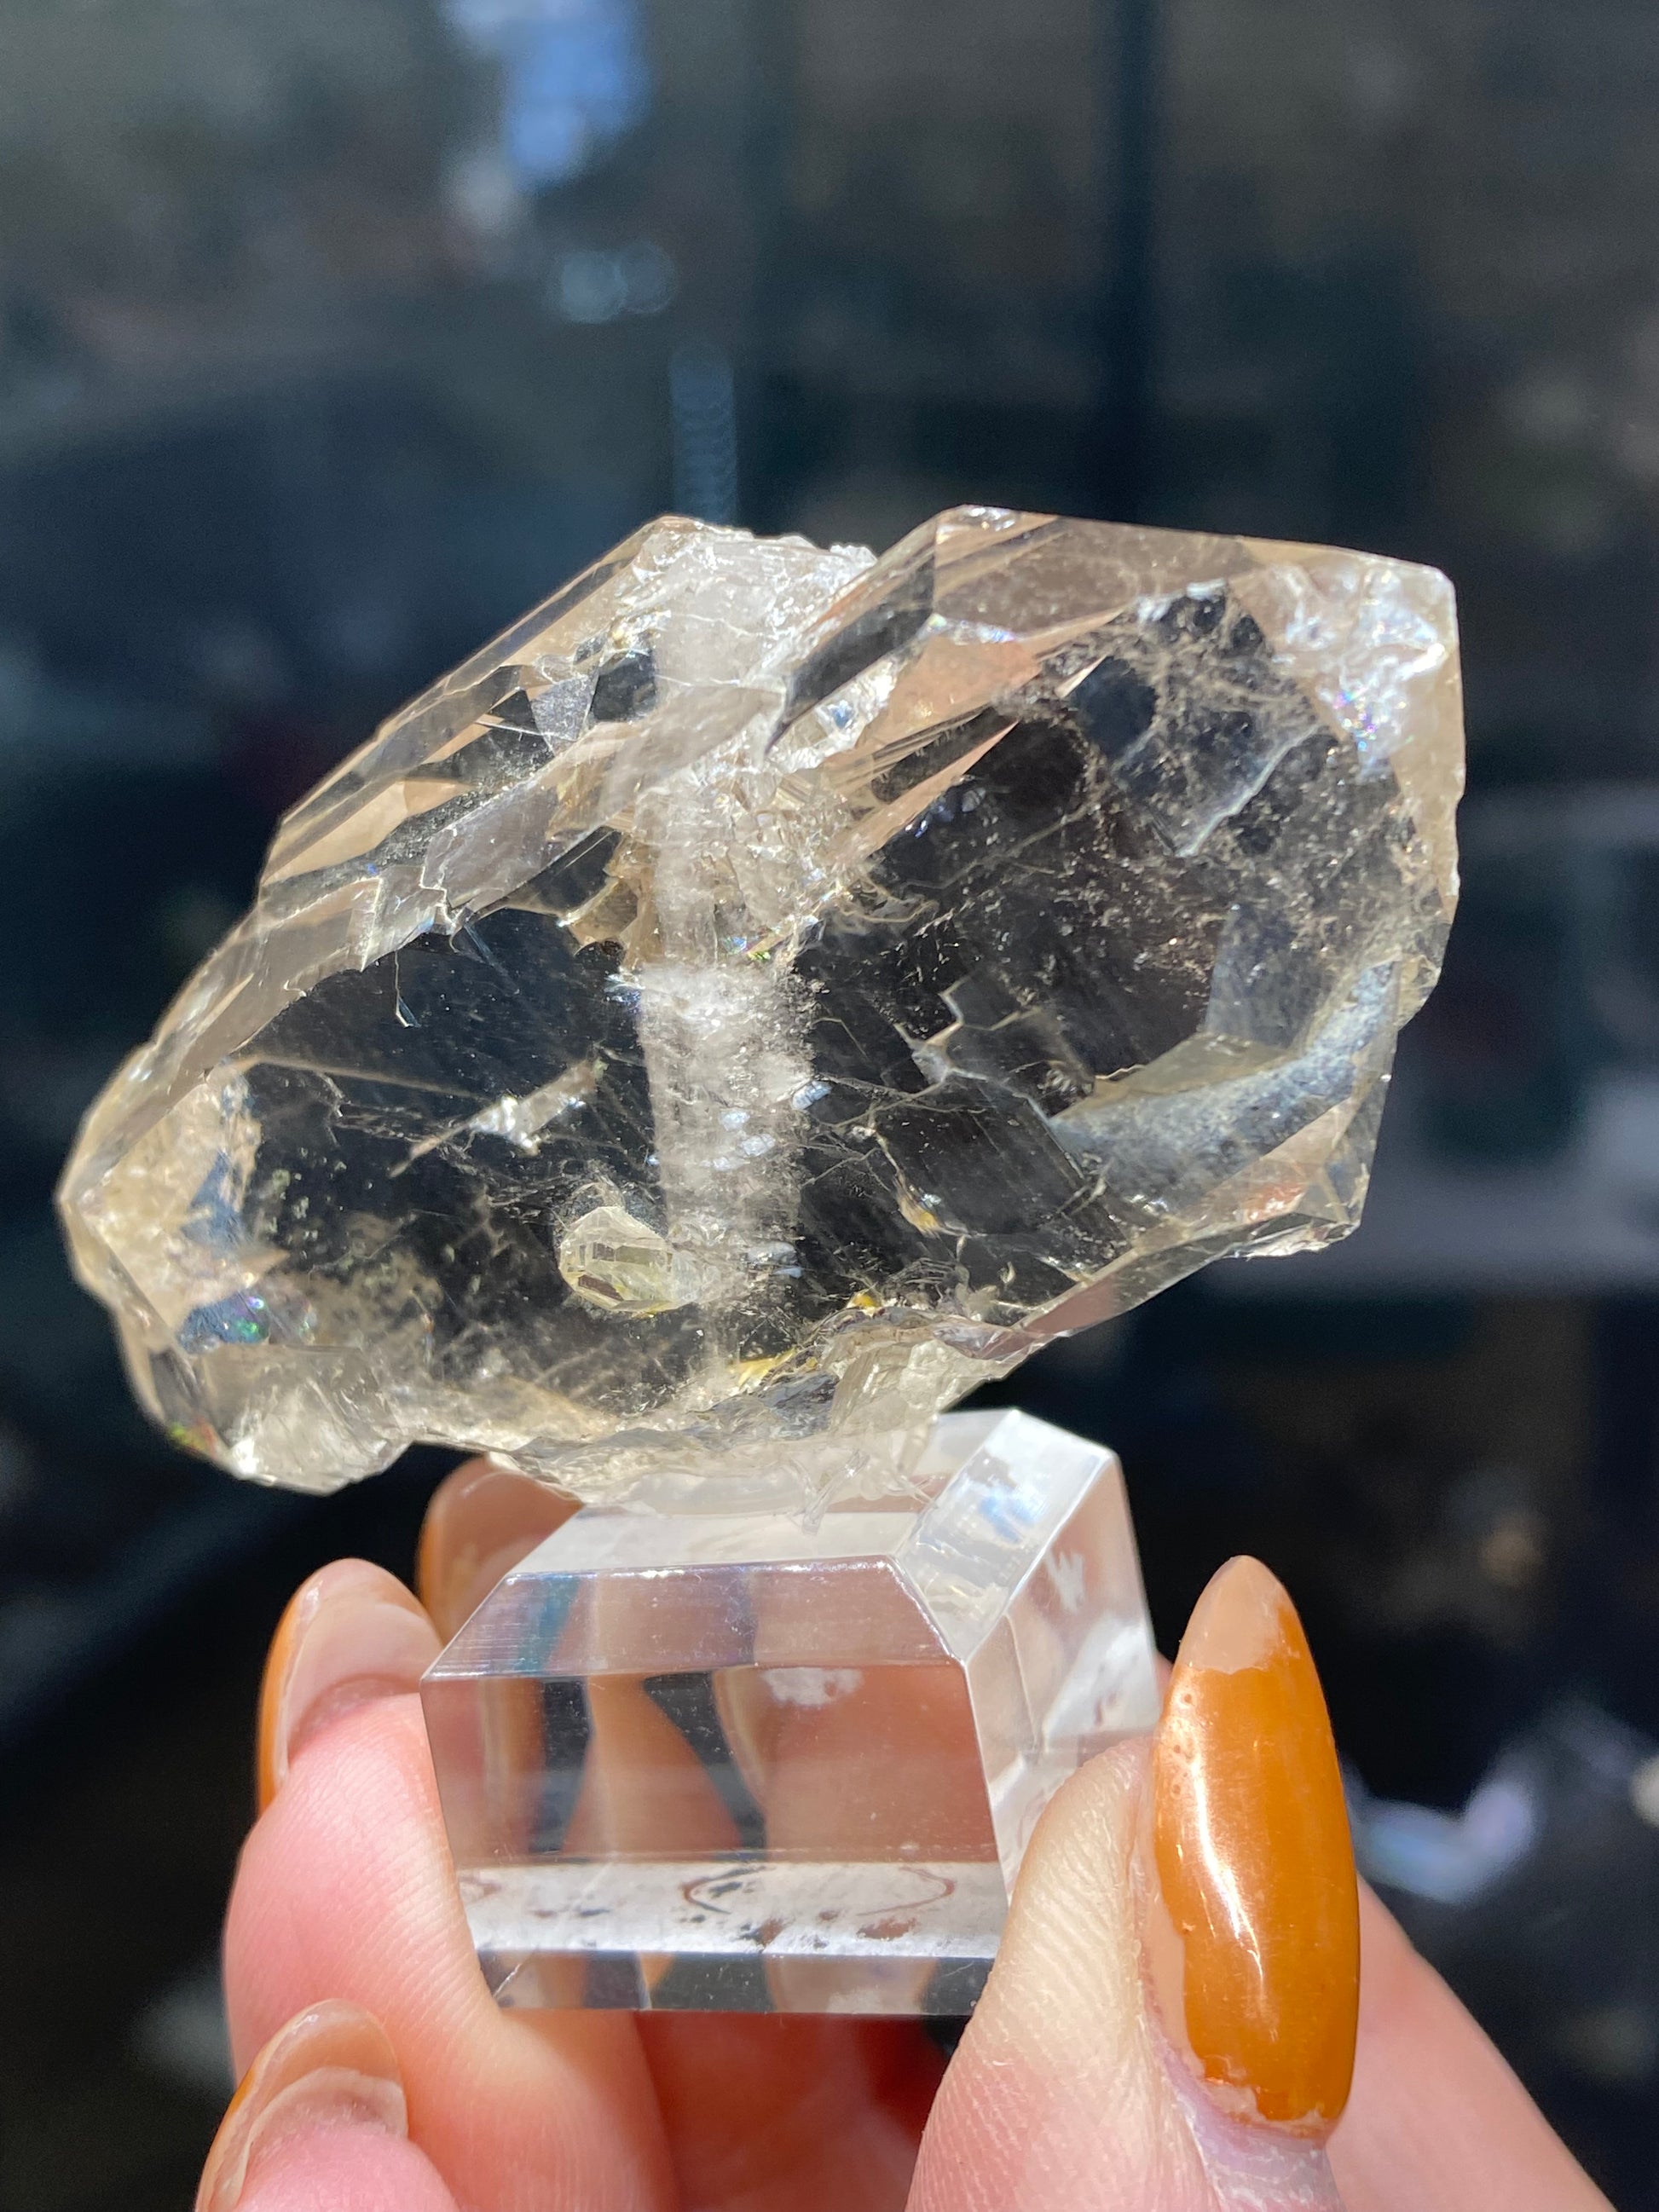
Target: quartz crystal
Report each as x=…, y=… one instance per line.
x=769, y=991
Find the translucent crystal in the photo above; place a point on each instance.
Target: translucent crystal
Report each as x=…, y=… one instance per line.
x=768, y=992
x=732, y=1761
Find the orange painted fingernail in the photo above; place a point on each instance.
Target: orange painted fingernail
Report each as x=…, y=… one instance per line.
x=351, y=1633
x=1253, y=1910
x=483, y=1520
x=331, y=2066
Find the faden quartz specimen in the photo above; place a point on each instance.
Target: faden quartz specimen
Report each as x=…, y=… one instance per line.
x=769, y=991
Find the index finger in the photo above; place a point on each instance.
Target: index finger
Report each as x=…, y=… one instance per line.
x=345, y=1891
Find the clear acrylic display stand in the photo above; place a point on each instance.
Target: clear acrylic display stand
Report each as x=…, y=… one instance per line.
x=740, y=1762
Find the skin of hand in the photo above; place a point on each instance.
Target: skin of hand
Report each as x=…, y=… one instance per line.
x=1162, y=2032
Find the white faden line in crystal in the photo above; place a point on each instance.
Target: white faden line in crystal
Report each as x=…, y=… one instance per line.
x=725, y=1058
x=769, y=991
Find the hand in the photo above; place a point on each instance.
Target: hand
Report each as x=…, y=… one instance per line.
x=385, y=2080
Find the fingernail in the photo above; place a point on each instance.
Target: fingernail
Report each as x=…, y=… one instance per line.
x=1251, y=1907
x=352, y=1632
x=331, y=2066
x=483, y=1520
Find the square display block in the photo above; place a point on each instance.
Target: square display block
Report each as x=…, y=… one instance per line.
x=740, y=1764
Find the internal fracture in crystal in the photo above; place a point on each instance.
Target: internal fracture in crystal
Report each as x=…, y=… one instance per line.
x=769, y=991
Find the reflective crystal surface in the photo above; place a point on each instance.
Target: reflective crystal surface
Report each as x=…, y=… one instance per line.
x=732, y=1761
x=767, y=992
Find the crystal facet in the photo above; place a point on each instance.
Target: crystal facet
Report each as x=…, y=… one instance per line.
x=768, y=992
x=734, y=1761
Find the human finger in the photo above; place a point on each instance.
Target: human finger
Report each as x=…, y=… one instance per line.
x=345, y=1890
x=482, y=1519
x=794, y=2113
x=349, y=1634
x=319, y=2123
x=1170, y=2022
x=1437, y=2122
x=776, y=2113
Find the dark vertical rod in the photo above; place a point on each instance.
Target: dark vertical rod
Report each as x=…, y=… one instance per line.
x=1131, y=43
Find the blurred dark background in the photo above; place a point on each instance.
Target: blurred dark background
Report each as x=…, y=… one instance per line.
x=333, y=332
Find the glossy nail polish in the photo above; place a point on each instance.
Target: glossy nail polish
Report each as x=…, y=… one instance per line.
x=1252, y=1909
x=331, y=2065
x=350, y=1633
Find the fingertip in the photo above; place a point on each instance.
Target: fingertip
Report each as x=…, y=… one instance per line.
x=345, y=2169
x=346, y=1886
x=1065, y=2087
x=351, y=1632
x=483, y=1518
x=1056, y=2083
x=348, y=1864
x=1251, y=1926
x=329, y=2070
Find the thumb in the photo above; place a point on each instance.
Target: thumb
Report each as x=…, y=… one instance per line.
x=1169, y=2026
x=319, y=2125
